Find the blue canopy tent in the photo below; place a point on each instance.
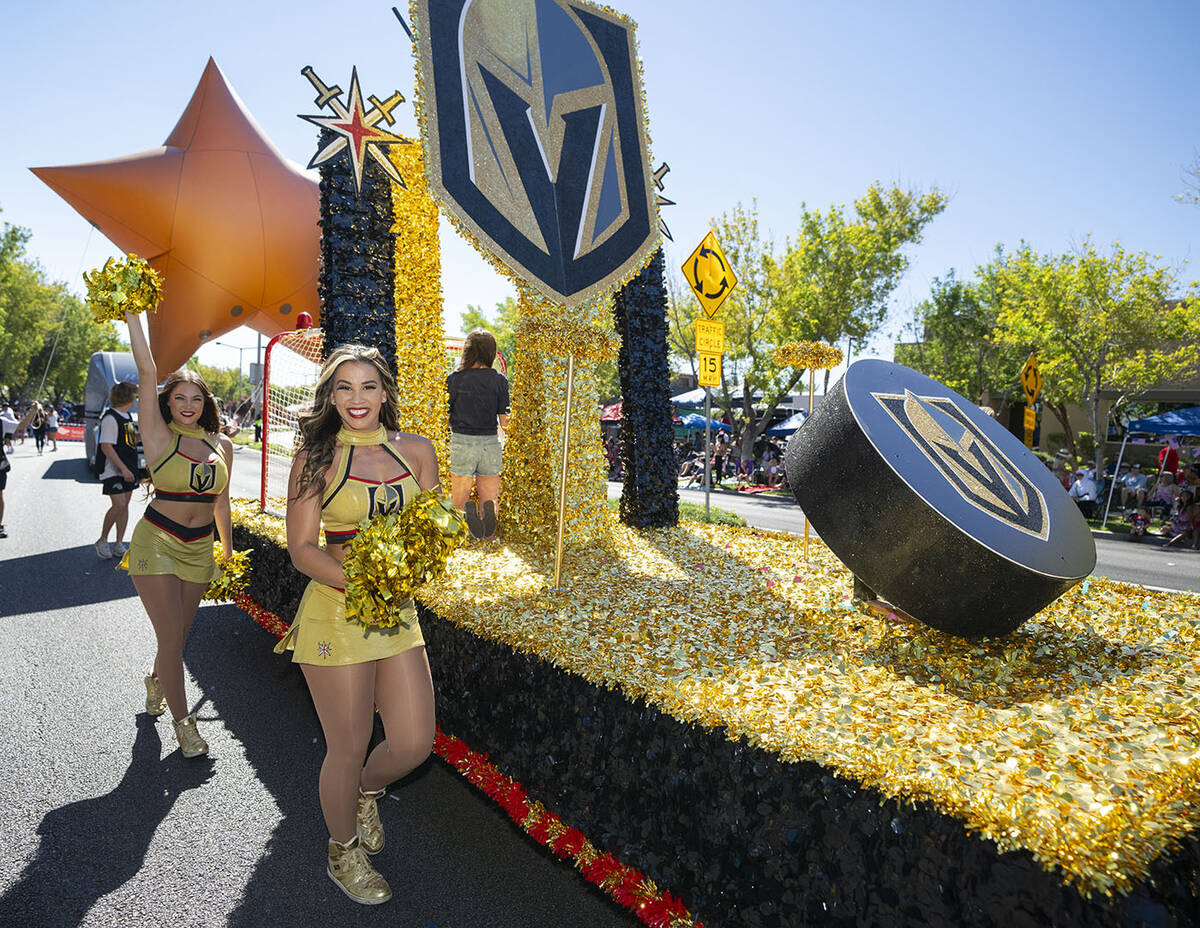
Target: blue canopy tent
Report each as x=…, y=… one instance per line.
x=695, y=421
x=1176, y=422
x=788, y=425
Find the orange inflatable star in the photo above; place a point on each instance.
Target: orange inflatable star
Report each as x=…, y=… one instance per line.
x=218, y=211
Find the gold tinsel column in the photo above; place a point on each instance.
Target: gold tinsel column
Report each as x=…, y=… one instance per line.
x=420, y=336
x=546, y=334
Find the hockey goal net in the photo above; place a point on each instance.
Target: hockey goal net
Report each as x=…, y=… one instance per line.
x=291, y=366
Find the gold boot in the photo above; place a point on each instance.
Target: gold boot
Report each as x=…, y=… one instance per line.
x=156, y=702
x=351, y=869
x=370, y=828
x=190, y=742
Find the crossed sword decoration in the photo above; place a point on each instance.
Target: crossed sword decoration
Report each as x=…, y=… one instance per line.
x=353, y=124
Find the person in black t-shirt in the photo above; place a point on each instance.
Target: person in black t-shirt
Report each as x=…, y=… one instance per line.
x=118, y=443
x=478, y=403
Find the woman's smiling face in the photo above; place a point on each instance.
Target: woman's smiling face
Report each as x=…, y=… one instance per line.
x=186, y=403
x=357, y=395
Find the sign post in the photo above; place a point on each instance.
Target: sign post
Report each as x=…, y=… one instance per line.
x=712, y=280
x=1031, y=383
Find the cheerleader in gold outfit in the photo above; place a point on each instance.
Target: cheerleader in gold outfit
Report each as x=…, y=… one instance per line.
x=171, y=552
x=351, y=464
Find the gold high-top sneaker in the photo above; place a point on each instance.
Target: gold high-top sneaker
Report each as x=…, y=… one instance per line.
x=370, y=828
x=351, y=869
x=156, y=702
x=190, y=742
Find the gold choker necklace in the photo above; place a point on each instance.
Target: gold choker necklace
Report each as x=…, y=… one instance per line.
x=190, y=433
x=351, y=437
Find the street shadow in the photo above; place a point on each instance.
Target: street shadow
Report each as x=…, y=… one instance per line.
x=71, y=468
x=91, y=847
x=452, y=856
x=62, y=579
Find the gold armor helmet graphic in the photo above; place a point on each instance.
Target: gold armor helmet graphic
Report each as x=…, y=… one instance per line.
x=383, y=499
x=501, y=43
x=203, y=477
x=971, y=463
x=534, y=131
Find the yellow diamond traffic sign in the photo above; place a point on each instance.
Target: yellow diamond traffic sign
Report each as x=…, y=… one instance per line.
x=709, y=274
x=1031, y=379
x=710, y=336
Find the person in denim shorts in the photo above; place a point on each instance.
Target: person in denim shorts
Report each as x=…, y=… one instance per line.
x=478, y=404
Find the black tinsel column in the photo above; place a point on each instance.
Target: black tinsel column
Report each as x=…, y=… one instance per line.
x=650, y=498
x=357, y=285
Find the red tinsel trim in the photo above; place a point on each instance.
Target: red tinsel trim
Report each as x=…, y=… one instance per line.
x=626, y=886
x=268, y=620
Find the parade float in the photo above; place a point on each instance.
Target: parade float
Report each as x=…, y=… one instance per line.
x=706, y=721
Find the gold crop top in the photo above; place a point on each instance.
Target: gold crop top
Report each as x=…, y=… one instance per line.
x=351, y=499
x=178, y=478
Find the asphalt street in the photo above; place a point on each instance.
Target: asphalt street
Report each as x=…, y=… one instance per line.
x=106, y=824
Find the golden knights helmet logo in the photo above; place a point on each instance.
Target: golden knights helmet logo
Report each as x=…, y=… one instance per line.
x=535, y=137
x=203, y=477
x=383, y=499
x=969, y=461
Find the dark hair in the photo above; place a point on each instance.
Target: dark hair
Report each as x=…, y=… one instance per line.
x=320, y=424
x=122, y=393
x=479, y=349
x=210, y=419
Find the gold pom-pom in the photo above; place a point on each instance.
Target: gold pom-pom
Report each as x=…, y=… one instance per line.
x=393, y=555
x=233, y=575
x=130, y=285
x=808, y=356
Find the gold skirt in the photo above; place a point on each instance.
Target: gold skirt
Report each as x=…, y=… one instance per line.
x=320, y=633
x=155, y=550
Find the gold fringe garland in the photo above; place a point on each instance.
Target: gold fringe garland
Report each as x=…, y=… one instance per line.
x=533, y=450
x=808, y=356
x=421, y=364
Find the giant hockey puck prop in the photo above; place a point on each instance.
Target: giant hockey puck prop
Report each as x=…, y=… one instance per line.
x=934, y=505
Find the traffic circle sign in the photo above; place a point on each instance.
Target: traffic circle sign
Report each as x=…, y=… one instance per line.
x=1031, y=379
x=709, y=274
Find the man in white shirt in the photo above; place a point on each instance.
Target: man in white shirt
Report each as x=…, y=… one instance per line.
x=52, y=427
x=1084, y=492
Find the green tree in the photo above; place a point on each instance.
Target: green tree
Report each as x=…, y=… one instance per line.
x=836, y=278
x=68, y=346
x=832, y=283
x=45, y=332
x=1096, y=323
x=223, y=381
x=954, y=342
x=682, y=312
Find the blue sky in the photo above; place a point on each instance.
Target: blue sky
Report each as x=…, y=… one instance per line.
x=1044, y=122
